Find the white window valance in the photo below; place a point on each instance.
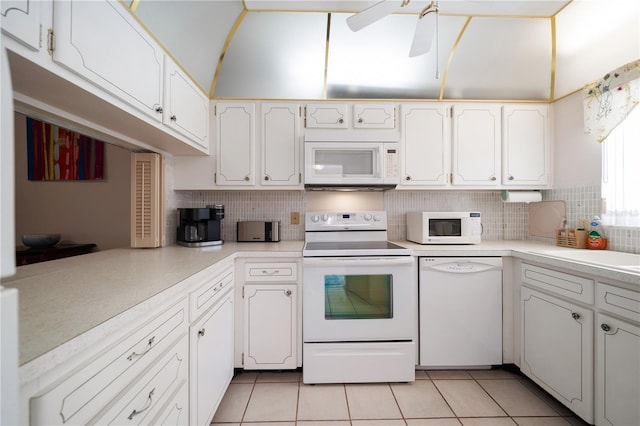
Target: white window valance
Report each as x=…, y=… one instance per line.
x=609, y=100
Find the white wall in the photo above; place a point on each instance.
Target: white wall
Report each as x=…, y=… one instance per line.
x=577, y=158
x=82, y=211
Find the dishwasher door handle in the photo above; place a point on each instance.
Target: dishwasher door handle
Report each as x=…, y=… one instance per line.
x=462, y=268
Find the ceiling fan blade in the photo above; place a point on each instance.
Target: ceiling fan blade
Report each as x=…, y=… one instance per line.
x=424, y=34
x=372, y=14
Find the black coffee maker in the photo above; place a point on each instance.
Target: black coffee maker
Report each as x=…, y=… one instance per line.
x=200, y=227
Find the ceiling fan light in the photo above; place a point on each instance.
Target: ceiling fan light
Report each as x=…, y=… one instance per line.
x=424, y=34
x=374, y=13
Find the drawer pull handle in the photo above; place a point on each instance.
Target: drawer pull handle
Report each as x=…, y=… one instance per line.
x=605, y=327
x=575, y=316
x=146, y=407
x=201, y=332
x=275, y=271
x=149, y=345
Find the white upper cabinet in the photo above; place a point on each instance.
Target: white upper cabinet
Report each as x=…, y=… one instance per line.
x=326, y=116
x=425, y=145
x=364, y=116
x=235, y=144
x=525, y=146
x=374, y=116
x=476, y=145
x=280, y=144
x=20, y=19
x=102, y=42
x=186, y=108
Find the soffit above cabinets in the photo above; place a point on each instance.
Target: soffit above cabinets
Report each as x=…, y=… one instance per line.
x=263, y=49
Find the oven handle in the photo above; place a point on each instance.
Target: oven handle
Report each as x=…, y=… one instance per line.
x=358, y=261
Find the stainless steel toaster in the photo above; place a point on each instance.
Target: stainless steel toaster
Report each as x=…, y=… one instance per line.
x=258, y=231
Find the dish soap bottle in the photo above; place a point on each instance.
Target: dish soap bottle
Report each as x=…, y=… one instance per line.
x=596, y=239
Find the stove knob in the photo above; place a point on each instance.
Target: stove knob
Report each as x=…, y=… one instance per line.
x=315, y=218
x=325, y=217
x=376, y=218
x=367, y=216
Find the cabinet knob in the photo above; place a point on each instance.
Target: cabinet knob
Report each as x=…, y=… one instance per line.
x=360, y=120
x=266, y=178
x=174, y=118
x=201, y=332
x=575, y=315
x=159, y=109
x=246, y=178
x=407, y=178
x=492, y=178
x=288, y=292
x=341, y=120
x=511, y=177
x=605, y=327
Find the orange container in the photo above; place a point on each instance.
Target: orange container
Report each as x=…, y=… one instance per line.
x=597, y=243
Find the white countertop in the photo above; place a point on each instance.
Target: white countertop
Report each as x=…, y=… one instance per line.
x=72, y=302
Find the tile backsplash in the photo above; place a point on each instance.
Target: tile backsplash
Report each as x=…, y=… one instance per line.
x=501, y=221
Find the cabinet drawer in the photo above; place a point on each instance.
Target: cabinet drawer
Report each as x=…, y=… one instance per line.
x=571, y=286
x=619, y=301
x=175, y=411
x=271, y=272
x=80, y=396
x=146, y=397
x=206, y=296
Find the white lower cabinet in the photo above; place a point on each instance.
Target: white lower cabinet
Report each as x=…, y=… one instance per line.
x=211, y=352
x=98, y=384
x=176, y=411
x=146, y=397
x=617, y=357
x=557, y=349
x=270, y=330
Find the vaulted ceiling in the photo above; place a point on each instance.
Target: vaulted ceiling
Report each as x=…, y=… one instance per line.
x=503, y=50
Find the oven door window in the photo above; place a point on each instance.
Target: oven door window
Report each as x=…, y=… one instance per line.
x=358, y=296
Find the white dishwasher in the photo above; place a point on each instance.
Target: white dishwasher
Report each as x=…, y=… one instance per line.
x=460, y=311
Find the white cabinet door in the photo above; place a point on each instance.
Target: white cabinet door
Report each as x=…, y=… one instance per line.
x=211, y=360
x=525, y=146
x=424, y=145
x=270, y=312
x=235, y=147
x=20, y=19
x=617, y=372
x=557, y=349
x=280, y=136
x=374, y=116
x=326, y=116
x=186, y=108
x=102, y=42
x=476, y=145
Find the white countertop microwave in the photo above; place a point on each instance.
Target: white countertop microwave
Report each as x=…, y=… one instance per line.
x=444, y=227
x=373, y=164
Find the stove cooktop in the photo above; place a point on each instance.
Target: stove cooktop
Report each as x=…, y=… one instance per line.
x=353, y=248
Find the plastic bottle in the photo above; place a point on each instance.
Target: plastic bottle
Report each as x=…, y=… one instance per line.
x=596, y=239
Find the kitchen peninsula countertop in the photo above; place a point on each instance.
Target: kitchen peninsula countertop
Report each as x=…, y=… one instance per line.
x=67, y=305
x=72, y=301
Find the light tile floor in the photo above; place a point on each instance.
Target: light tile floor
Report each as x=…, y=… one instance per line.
x=437, y=398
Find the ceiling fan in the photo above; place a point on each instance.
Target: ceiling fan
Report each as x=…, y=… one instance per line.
x=425, y=28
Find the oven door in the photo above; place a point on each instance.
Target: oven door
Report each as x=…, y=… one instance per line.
x=359, y=299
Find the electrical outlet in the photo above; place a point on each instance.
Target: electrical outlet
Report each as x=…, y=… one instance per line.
x=295, y=218
x=584, y=223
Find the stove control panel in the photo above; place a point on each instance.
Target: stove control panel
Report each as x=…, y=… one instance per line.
x=361, y=220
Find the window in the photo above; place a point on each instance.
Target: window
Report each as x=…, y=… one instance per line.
x=621, y=172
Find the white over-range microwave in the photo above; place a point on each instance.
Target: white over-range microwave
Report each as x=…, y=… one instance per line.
x=444, y=227
x=351, y=164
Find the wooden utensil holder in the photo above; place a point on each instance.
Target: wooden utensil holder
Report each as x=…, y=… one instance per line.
x=574, y=238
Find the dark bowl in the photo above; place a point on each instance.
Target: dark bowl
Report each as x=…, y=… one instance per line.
x=40, y=240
